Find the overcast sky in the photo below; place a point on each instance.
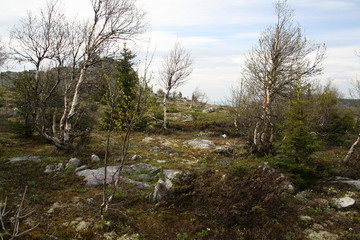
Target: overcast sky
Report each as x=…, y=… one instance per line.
x=220, y=33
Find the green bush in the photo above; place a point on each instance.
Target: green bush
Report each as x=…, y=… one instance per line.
x=304, y=173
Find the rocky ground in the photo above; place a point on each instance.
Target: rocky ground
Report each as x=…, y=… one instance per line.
x=194, y=182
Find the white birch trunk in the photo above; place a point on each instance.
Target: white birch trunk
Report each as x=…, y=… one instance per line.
x=351, y=150
x=74, y=104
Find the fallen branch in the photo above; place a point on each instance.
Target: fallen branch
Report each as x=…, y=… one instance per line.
x=351, y=150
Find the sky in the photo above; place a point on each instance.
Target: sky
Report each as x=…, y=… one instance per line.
x=219, y=34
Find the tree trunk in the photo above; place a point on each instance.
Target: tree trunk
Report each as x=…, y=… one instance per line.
x=263, y=133
x=165, y=112
x=351, y=150
x=75, y=101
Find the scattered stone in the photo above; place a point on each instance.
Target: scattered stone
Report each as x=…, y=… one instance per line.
x=110, y=236
x=161, y=161
x=26, y=158
x=171, y=173
x=289, y=187
x=49, y=168
x=174, y=154
x=59, y=167
x=225, y=151
x=162, y=187
x=53, y=207
x=52, y=168
x=82, y=226
x=81, y=168
x=302, y=196
x=200, y=143
x=129, y=237
x=188, y=118
x=157, y=149
x=148, y=140
x=320, y=235
x=95, y=158
x=134, y=157
x=317, y=227
x=209, y=110
x=73, y=162
x=224, y=136
x=344, y=202
x=306, y=218
x=225, y=161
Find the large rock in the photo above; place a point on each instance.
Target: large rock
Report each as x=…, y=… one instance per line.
x=163, y=187
x=355, y=183
x=200, y=143
x=344, y=202
x=73, y=162
x=95, y=177
x=25, y=158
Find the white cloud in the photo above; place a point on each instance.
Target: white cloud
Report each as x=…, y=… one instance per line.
x=219, y=33
x=326, y=4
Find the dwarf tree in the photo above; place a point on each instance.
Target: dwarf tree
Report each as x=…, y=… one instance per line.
x=176, y=68
x=281, y=56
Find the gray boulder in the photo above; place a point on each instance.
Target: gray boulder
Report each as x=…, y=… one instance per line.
x=73, y=162
x=200, y=143
x=95, y=177
x=355, y=183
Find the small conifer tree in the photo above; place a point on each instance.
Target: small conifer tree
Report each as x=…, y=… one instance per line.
x=299, y=143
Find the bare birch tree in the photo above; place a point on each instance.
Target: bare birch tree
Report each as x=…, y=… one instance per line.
x=76, y=46
x=282, y=55
x=176, y=68
x=198, y=98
